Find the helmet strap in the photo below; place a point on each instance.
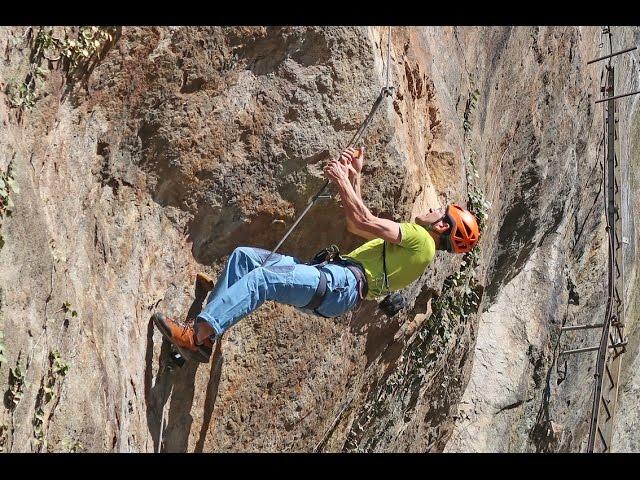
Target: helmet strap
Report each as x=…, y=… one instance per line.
x=446, y=241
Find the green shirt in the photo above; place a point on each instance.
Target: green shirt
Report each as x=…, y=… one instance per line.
x=405, y=261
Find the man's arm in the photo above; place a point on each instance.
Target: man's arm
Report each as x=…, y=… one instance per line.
x=354, y=179
x=357, y=214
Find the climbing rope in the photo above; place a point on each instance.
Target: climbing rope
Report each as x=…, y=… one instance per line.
x=386, y=91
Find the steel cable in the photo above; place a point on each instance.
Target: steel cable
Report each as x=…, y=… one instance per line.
x=385, y=92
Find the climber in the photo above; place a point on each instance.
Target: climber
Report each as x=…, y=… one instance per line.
x=395, y=255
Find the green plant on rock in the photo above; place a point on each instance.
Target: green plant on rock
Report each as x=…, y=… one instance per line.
x=3, y=359
x=39, y=440
x=88, y=44
x=8, y=186
x=38, y=427
x=476, y=202
x=16, y=386
x=46, y=393
x=21, y=95
x=4, y=428
x=38, y=417
x=471, y=106
x=66, y=307
x=72, y=445
x=24, y=95
x=44, y=41
x=40, y=73
x=58, y=366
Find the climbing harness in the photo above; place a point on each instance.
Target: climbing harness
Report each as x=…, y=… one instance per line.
x=331, y=254
x=386, y=91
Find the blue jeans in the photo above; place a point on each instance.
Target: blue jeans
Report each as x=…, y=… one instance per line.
x=245, y=285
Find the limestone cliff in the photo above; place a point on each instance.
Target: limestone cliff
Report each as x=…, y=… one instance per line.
x=141, y=156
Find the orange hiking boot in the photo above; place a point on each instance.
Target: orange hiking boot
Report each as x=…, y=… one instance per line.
x=183, y=337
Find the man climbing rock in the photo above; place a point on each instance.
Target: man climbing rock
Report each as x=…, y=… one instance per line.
x=395, y=255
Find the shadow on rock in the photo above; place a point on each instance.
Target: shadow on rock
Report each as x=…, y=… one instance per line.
x=169, y=383
x=179, y=385
x=156, y=393
x=176, y=432
x=380, y=332
x=212, y=394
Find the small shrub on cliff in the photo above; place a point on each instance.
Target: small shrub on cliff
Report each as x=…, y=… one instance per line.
x=21, y=96
x=72, y=446
x=59, y=367
x=7, y=186
x=46, y=393
x=3, y=359
x=66, y=307
x=16, y=387
x=44, y=41
x=4, y=428
x=77, y=51
x=89, y=42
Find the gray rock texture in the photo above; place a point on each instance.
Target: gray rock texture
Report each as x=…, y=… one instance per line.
x=174, y=145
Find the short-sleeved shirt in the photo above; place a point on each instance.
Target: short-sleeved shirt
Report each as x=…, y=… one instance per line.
x=405, y=261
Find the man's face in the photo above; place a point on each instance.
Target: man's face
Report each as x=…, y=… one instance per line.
x=434, y=218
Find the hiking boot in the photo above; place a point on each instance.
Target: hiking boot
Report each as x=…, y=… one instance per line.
x=182, y=336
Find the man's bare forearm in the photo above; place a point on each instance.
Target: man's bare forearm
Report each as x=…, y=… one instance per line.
x=356, y=212
x=355, y=183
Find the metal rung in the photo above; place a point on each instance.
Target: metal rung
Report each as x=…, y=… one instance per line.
x=591, y=349
x=611, y=55
x=580, y=350
x=617, y=96
x=582, y=327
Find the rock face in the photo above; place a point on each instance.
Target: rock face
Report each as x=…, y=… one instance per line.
x=171, y=146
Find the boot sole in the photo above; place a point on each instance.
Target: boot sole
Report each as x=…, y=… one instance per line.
x=199, y=356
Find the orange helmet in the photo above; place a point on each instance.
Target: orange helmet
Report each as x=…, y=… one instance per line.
x=464, y=232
